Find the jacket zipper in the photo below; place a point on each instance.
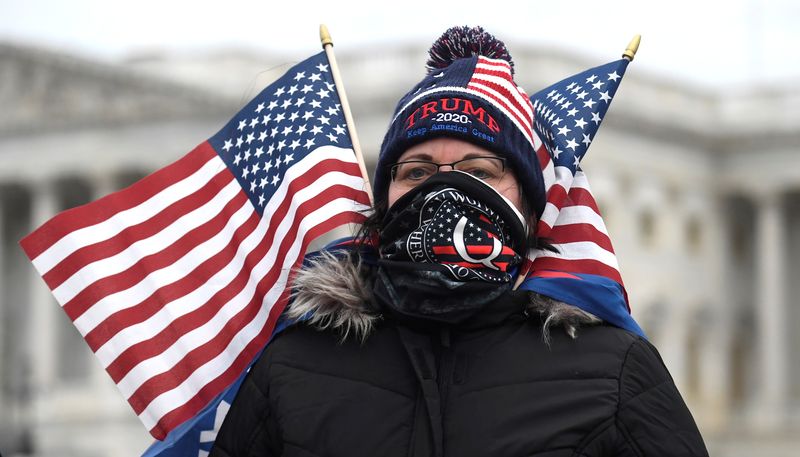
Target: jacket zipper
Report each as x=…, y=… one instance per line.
x=445, y=369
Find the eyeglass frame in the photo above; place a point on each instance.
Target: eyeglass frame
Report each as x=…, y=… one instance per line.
x=452, y=165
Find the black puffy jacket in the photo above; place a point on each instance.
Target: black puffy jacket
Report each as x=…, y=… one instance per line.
x=488, y=387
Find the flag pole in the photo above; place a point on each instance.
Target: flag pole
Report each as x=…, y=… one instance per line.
x=327, y=45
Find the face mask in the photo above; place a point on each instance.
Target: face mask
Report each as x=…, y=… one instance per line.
x=447, y=248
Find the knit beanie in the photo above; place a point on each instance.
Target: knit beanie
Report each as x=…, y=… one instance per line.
x=469, y=94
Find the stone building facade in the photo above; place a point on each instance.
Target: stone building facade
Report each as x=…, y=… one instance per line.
x=700, y=189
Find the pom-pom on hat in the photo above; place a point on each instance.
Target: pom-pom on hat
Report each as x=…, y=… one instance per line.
x=469, y=93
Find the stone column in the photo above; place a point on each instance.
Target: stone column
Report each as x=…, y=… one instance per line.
x=671, y=253
x=715, y=369
x=770, y=311
x=102, y=184
x=673, y=342
x=4, y=363
x=43, y=307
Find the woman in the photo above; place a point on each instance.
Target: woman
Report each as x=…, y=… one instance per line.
x=426, y=349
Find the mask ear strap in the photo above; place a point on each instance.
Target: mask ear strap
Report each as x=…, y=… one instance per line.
x=527, y=263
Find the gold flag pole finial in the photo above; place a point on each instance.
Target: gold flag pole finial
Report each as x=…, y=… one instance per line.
x=327, y=45
x=325, y=36
x=633, y=46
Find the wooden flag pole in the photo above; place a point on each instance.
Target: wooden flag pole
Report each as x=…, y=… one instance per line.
x=327, y=45
x=633, y=46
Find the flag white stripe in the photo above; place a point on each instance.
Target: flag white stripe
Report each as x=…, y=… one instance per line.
x=549, y=174
x=156, y=279
x=537, y=142
x=581, y=181
x=171, y=399
x=580, y=214
x=155, y=243
x=564, y=176
x=550, y=214
x=582, y=250
x=109, y=228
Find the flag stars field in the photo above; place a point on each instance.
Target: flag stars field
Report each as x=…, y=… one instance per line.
x=583, y=100
x=277, y=129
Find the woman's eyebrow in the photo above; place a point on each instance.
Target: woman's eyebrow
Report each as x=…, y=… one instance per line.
x=429, y=158
x=471, y=155
x=417, y=156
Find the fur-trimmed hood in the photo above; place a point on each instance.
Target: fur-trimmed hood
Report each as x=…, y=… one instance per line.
x=332, y=293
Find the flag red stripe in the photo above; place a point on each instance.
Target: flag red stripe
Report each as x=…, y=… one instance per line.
x=145, y=229
x=580, y=232
x=199, y=275
x=544, y=157
x=584, y=266
x=84, y=216
x=552, y=274
x=579, y=196
x=557, y=195
x=189, y=409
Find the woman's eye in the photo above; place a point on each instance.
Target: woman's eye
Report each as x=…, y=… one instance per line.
x=417, y=173
x=480, y=173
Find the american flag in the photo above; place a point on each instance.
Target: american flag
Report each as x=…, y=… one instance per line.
x=177, y=281
x=585, y=270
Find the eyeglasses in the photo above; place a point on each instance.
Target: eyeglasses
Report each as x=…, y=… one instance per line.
x=414, y=172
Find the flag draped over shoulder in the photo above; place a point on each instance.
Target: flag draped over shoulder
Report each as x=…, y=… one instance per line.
x=176, y=282
x=584, y=272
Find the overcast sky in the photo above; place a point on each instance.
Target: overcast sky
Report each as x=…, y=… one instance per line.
x=718, y=43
